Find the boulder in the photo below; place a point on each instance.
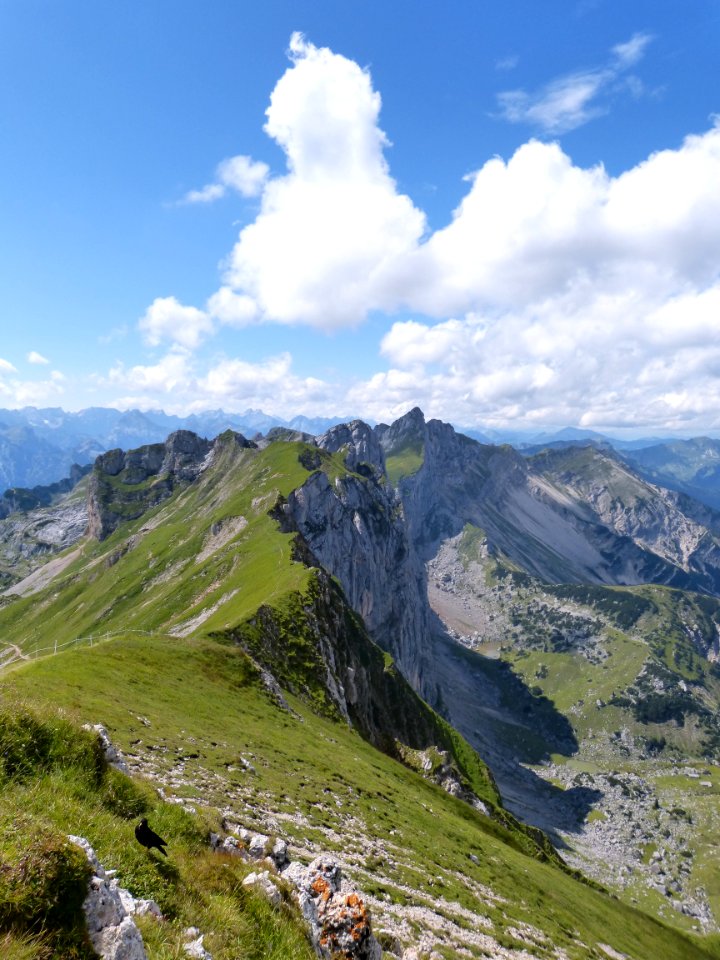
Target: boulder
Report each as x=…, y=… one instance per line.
x=113, y=933
x=339, y=920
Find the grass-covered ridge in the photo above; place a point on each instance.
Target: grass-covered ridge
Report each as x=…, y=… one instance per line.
x=192, y=712
x=322, y=786
x=212, y=559
x=206, y=558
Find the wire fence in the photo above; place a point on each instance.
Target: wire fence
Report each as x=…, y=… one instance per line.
x=13, y=654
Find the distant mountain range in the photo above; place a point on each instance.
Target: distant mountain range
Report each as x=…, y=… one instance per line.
x=38, y=447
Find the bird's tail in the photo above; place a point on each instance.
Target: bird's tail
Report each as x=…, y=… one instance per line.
x=162, y=851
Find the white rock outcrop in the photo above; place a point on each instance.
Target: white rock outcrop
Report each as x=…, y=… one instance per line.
x=113, y=756
x=112, y=931
x=194, y=947
x=262, y=882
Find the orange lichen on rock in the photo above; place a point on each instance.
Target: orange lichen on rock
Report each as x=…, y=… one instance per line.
x=340, y=921
x=321, y=888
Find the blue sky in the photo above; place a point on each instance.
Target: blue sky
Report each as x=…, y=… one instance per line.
x=508, y=214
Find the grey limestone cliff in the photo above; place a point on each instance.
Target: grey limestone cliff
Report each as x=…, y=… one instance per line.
x=355, y=527
x=123, y=485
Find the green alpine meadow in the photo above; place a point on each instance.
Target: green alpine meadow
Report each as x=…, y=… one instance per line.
x=202, y=658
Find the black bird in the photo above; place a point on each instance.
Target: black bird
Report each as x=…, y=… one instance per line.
x=148, y=838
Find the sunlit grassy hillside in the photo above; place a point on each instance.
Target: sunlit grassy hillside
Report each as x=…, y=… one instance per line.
x=163, y=598
x=187, y=712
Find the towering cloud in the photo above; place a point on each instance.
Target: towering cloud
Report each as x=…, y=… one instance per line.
x=328, y=233
x=556, y=293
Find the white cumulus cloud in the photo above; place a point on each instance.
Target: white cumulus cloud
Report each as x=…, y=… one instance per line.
x=322, y=248
x=37, y=358
x=168, y=319
x=556, y=294
x=175, y=383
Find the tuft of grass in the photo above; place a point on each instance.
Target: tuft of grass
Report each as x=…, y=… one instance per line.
x=30, y=745
x=43, y=883
x=405, y=461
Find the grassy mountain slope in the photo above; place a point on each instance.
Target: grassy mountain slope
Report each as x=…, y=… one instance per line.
x=314, y=781
x=55, y=782
x=169, y=598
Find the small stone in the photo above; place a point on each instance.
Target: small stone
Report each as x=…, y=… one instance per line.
x=196, y=950
x=279, y=853
x=262, y=883
x=257, y=846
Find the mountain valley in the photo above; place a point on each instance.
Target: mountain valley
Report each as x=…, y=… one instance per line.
x=329, y=637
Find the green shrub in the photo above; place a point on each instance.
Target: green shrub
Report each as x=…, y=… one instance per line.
x=31, y=745
x=43, y=877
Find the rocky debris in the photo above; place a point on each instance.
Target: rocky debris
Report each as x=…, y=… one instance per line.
x=28, y=539
x=634, y=841
x=251, y=846
x=112, y=931
x=481, y=605
x=194, y=948
x=113, y=756
x=338, y=918
x=420, y=921
x=230, y=845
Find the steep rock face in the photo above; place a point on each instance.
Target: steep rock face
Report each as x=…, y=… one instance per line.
x=356, y=530
x=363, y=450
x=676, y=539
x=318, y=648
x=124, y=485
x=460, y=481
x=565, y=516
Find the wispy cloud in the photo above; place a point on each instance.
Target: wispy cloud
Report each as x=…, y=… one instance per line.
x=507, y=63
x=38, y=358
x=569, y=101
x=241, y=174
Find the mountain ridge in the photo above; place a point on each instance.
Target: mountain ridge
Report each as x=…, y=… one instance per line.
x=189, y=536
